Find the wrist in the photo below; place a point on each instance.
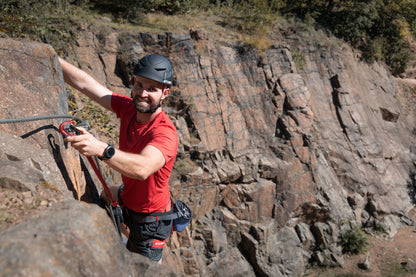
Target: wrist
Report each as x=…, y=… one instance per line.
x=108, y=152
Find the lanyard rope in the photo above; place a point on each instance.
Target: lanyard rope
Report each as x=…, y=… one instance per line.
x=114, y=209
x=68, y=128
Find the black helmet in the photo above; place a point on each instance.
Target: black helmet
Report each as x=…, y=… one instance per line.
x=155, y=67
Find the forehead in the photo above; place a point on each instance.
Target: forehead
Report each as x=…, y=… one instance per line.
x=147, y=82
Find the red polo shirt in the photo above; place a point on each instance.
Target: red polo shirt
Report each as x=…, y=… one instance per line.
x=152, y=194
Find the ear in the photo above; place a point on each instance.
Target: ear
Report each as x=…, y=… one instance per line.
x=165, y=93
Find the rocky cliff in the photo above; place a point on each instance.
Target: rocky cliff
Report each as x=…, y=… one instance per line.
x=276, y=158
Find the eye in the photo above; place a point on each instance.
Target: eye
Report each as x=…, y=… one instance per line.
x=137, y=85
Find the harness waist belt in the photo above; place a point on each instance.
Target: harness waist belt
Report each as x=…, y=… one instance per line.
x=153, y=217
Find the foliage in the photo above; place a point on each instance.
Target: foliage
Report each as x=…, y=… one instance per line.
x=377, y=27
x=354, y=241
x=98, y=118
x=45, y=21
x=253, y=15
x=132, y=11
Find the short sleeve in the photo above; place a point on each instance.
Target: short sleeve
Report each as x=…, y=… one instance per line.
x=120, y=103
x=166, y=140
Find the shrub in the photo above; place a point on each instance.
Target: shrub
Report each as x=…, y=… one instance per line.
x=354, y=241
x=45, y=21
x=375, y=27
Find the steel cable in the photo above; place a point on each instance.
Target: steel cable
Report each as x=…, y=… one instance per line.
x=42, y=117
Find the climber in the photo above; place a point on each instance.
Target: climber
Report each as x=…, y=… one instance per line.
x=148, y=145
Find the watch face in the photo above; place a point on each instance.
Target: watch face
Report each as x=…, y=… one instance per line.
x=110, y=151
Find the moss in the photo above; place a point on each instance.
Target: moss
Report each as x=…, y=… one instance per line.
x=49, y=186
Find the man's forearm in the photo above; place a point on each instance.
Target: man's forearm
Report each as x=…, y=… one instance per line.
x=86, y=84
x=137, y=166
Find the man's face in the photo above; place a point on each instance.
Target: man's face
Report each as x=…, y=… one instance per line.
x=148, y=94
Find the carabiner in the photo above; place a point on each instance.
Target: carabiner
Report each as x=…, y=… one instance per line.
x=68, y=128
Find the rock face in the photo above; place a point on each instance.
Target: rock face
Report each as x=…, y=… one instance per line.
x=276, y=162
x=46, y=245
x=31, y=85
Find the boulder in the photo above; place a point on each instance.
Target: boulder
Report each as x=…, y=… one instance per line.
x=70, y=238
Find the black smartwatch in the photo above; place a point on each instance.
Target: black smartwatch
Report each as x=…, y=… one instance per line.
x=108, y=152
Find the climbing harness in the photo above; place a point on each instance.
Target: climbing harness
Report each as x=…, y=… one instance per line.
x=180, y=213
x=68, y=128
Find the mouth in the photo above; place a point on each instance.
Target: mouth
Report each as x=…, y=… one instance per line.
x=139, y=100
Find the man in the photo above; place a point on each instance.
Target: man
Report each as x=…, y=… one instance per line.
x=148, y=145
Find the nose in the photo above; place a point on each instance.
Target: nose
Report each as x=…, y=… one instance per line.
x=142, y=92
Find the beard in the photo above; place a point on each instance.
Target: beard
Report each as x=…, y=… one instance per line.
x=150, y=108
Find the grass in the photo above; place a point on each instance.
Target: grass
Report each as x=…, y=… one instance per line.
x=388, y=270
x=184, y=166
x=5, y=217
x=222, y=22
x=298, y=59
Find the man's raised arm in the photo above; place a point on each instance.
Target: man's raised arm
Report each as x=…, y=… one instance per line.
x=86, y=84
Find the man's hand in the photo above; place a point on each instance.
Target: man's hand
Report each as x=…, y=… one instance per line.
x=135, y=166
x=86, y=143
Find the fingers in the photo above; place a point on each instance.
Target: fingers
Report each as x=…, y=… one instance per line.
x=82, y=130
x=80, y=145
x=76, y=138
x=86, y=143
x=81, y=142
